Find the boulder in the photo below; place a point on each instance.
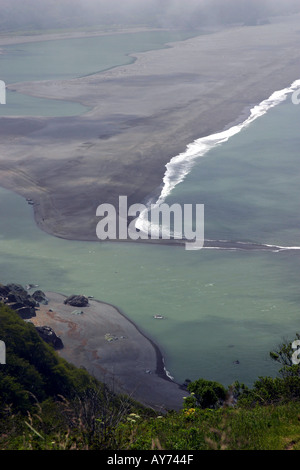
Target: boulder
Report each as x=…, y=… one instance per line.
x=17, y=298
x=3, y=290
x=49, y=336
x=26, y=312
x=40, y=297
x=12, y=297
x=17, y=288
x=77, y=301
x=15, y=306
x=25, y=300
x=185, y=384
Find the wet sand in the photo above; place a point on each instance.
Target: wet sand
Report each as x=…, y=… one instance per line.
x=112, y=349
x=142, y=115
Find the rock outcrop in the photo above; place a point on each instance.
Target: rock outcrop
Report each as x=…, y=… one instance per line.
x=40, y=297
x=18, y=299
x=49, y=336
x=77, y=301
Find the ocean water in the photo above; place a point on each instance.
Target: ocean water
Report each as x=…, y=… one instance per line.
x=250, y=187
x=220, y=306
x=70, y=58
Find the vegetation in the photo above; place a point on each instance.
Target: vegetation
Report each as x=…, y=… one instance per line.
x=48, y=404
x=258, y=428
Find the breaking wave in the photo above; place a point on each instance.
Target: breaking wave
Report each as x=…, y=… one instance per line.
x=180, y=165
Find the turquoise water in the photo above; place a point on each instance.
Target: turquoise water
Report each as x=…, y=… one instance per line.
x=220, y=306
x=70, y=58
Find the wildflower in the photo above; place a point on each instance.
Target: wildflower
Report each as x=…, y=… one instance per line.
x=190, y=411
x=131, y=420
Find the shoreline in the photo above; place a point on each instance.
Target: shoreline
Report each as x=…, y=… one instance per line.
x=160, y=365
x=9, y=40
x=112, y=348
x=142, y=115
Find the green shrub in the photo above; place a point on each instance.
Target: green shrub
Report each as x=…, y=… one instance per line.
x=206, y=393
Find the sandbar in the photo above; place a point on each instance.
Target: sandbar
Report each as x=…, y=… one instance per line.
x=141, y=116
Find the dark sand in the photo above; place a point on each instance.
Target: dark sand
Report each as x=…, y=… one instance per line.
x=142, y=115
x=122, y=363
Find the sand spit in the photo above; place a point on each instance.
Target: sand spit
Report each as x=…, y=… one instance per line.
x=142, y=115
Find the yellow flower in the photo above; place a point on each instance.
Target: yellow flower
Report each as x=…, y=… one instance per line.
x=190, y=411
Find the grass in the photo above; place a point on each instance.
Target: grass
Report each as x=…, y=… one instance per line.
x=260, y=428
x=49, y=404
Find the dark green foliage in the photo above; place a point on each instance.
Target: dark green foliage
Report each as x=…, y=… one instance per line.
x=49, y=404
x=33, y=368
x=207, y=394
x=269, y=390
x=284, y=356
x=282, y=389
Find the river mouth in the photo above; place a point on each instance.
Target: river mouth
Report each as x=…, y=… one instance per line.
x=56, y=60
x=219, y=305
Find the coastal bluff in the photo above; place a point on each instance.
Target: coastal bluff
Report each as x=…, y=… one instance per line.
x=98, y=337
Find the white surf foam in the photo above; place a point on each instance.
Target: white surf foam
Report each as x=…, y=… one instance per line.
x=180, y=165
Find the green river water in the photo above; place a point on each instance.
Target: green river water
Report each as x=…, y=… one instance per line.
x=220, y=305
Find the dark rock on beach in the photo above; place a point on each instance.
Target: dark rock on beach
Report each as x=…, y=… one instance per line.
x=17, y=298
x=40, y=297
x=3, y=290
x=185, y=384
x=26, y=312
x=25, y=300
x=49, y=336
x=77, y=301
x=17, y=289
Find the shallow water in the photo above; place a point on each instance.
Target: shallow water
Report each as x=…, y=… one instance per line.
x=220, y=306
x=70, y=58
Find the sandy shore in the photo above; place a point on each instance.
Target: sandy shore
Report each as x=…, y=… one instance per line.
x=142, y=115
x=111, y=348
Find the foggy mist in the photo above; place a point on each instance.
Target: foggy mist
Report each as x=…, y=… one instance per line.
x=36, y=14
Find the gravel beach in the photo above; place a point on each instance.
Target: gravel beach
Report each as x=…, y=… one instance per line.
x=103, y=341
